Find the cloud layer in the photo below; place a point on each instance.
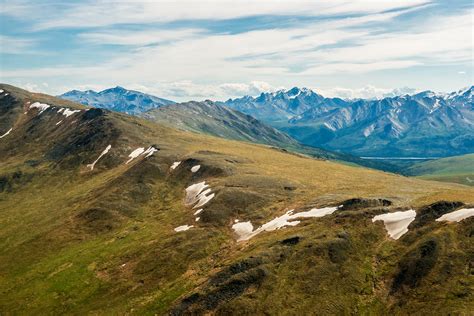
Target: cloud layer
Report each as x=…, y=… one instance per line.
x=198, y=49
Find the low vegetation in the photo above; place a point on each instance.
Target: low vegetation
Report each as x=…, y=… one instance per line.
x=80, y=241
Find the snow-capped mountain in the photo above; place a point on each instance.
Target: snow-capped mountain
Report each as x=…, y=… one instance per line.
x=279, y=105
x=426, y=123
x=117, y=99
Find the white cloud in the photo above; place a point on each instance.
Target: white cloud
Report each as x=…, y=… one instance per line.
x=367, y=92
x=13, y=45
x=193, y=63
x=106, y=12
x=188, y=90
x=138, y=38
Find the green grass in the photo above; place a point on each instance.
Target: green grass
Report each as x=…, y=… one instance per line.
x=79, y=242
x=459, y=169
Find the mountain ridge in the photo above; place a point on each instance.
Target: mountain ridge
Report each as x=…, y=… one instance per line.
x=117, y=99
x=389, y=126
x=216, y=119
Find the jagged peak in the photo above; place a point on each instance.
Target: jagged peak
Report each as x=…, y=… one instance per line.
x=116, y=89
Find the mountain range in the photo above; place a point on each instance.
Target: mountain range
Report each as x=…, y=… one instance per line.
x=425, y=124
x=105, y=213
x=214, y=119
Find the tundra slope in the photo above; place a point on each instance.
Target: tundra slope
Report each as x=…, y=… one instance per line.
x=218, y=120
x=103, y=241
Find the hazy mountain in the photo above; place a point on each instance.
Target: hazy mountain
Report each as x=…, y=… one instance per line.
x=424, y=124
x=276, y=106
x=104, y=213
x=219, y=120
x=117, y=99
x=211, y=118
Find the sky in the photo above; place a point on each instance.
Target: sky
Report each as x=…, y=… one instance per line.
x=194, y=50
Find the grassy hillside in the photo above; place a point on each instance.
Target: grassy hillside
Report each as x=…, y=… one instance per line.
x=80, y=241
x=459, y=169
x=210, y=118
x=218, y=120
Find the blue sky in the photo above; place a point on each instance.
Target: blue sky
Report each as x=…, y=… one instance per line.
x=188, y=49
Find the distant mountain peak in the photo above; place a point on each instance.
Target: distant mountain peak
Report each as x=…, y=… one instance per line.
x=117, y=89
x=359, y=126
x=117, y=99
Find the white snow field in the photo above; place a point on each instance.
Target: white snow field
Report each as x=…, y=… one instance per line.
x=457, y=216
x=197, y=194
x=182, y=228
x=175, y=165
x=134, y=154
x=40, y=106
x=105, y=151
x=195, y=168
x=8, y=132
x=244, y=230
x=396, y=223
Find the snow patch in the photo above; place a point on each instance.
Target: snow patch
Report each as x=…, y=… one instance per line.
x=105, y=151
x=175, y=165
x=245, y=231
x=182, y=228
x=332, y=128
x=1, y=91
x=294, y=96
x=197, y=195
x=141, y=151
x=8, y=132
x=150, y=151
x=67, y=112
x=195, y=168
x=396, y=223
x=134, y=154
x=40, y=106
x=59, y=122
x=197, y=219
x=457, y=216
x=368, y=131
x=198, y=211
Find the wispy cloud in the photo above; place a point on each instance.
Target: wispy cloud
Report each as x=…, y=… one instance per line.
x=219, y=49
x=139, y=38
x=12, y=45
x=111, y=12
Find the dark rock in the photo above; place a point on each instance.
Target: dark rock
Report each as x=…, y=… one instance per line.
x=359, y=203
x=291, y=241
x=225, y=286
x=431, y=212
x=234, y=269
x=92, y=114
